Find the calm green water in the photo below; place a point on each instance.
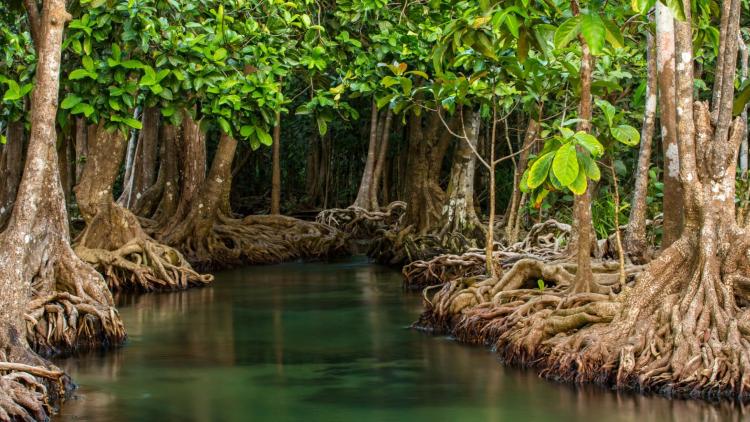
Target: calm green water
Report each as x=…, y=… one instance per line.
x=320, y=342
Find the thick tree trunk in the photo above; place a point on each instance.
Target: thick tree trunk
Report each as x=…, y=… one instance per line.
x=114, y=240
x=363, y=199
x=11, y=166
x=665, y=66
x=81, y=146
x=636, y=246
x=41, y=279
x=424, y=196
x=459, y=215
x=276, y=171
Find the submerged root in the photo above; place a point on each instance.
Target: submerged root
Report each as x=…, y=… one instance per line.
x=360, y=223
x=143, y=264
x=262, y=239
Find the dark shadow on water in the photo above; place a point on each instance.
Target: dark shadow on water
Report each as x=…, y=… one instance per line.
x=322, y=342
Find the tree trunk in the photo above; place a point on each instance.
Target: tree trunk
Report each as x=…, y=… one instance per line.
x=424, y=196
x=144, y=171
x=636, y=246
x=532, y=131
x=11, y=166
x=113, y=239
x=41, y=279
x=380, y=163
x=363, y=199
x=582, y=219
x=276, y=176
x=80, y=147
x=665, y=66
x=459, y=215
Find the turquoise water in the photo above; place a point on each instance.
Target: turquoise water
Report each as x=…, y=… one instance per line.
x=321, y=342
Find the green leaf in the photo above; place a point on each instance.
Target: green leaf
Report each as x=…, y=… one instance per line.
x=80, y=74
x=590, y=142
x=539, y=170
x=567, y=31
x=741, y=98
x=565, y=164
x=593, y=31
x=642, y=6
x=589, y=166
x=626, y=134
x=83, y=108
x=225, y=126
x=676, y=6
x=14, y=91
x=579, y=184
x=246, y=131
x=70, y=101
x=614, y=36
x=263, y=136
x=134, y=123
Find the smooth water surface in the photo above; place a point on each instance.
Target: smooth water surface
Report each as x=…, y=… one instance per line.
x=321, y=342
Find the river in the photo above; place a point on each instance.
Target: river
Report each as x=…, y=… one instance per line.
x=321, y=342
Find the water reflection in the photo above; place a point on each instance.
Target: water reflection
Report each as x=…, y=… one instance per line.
x=322, y=343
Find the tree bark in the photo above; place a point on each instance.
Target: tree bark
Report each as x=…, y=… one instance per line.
x=113, y=239
x=665, y=65
x=363, y=199
x=380, y=163
x=582, y=220
x=636, y=246
x=36, y=260
x=276, y=176
x=144, y=170
x=459, y=215
x=11, y=166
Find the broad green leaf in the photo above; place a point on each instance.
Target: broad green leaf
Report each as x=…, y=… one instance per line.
x=579, y=184
x=133, y=123
x=70, y=101
x=566, y=133
x=626, y=134
x=565, y=164
x=246, y=131
x=588, y=141
x=14, y=91
x=593, y=31
x=642, y=6
x=539, y=170
x=225, y=126
x=676, y=6
x=589, y=166
x=567, y=31
x=80, y=74
x=741, y=98
x=263, y=136
x=614, y=35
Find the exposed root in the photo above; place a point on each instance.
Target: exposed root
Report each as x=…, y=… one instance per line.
x=545, y=240
x=61, y=322
x=144, y=264
x=22, y=397
x=360, y=223
x=262, y=239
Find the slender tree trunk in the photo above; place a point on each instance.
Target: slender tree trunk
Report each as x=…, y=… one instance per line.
x=744, y=73
x=381, y=161
x=365, y=185
x=276, y=177
x=584, y=233
x=144, y=168
x=665, y=66
x=636, y=246
x=66, y=177
x=532, y=131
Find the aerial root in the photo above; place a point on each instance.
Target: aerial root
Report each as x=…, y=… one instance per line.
x=62, y=322
x=263, y=239
x=144, y=264
x=360, y=223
